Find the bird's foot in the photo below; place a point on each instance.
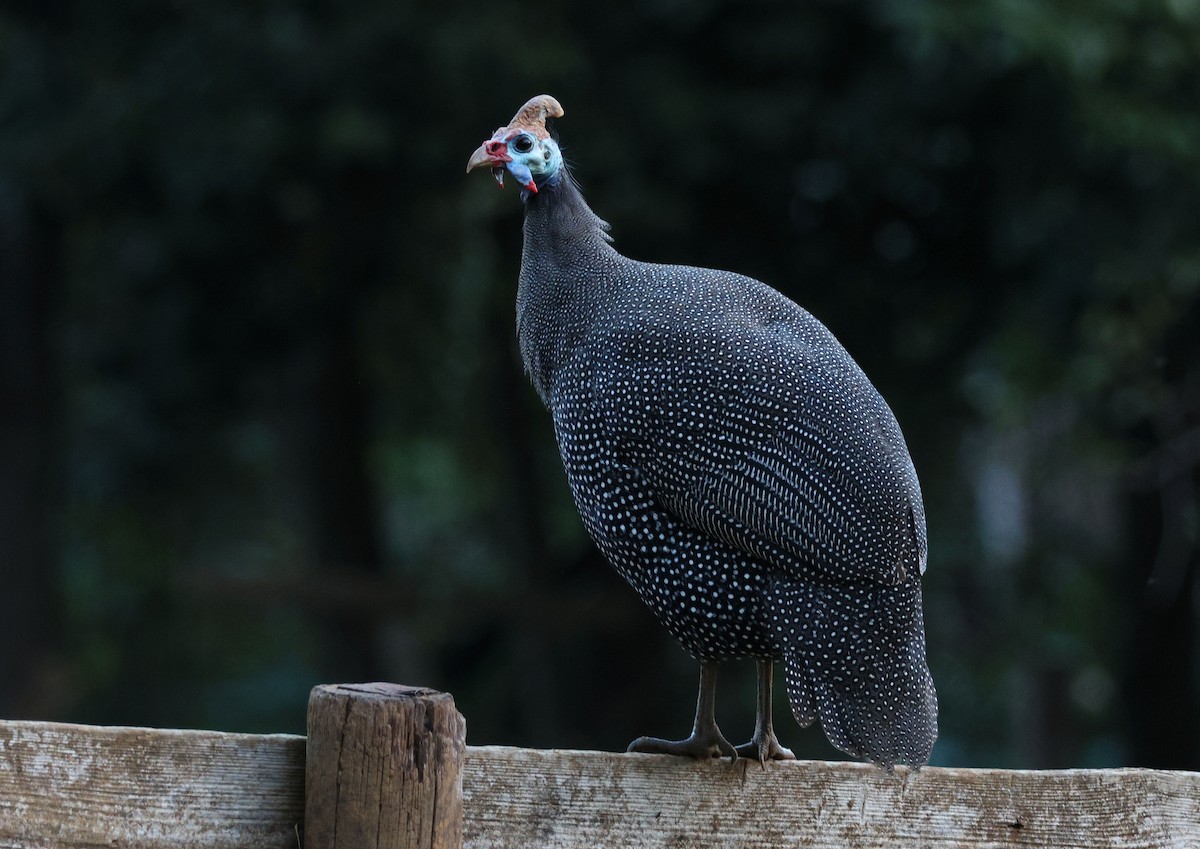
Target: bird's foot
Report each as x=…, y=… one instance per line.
x=765, y=747
x=702, y=744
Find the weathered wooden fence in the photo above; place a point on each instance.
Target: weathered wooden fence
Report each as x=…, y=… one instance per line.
x=386, y=766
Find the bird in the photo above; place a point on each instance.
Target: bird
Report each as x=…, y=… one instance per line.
x=734, y=465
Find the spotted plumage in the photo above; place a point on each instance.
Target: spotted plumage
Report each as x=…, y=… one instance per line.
x=734, y=465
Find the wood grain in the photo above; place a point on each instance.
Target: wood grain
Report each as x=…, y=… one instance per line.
x=76, y=785
x=518, y=798
x=73, y=786
x=384, y=768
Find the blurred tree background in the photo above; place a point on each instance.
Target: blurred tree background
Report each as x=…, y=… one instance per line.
x=263, y=425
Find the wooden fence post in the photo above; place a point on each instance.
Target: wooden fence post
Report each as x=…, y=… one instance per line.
x=384, y=768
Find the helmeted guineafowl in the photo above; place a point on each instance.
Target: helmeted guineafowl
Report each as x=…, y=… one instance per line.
x=735, y=466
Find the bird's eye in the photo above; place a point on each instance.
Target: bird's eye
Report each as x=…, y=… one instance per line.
x=523, y=144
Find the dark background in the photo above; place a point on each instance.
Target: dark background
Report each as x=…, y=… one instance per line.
x=263, y=425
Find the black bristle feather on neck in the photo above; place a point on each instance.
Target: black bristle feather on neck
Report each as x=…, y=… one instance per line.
x=560, y=200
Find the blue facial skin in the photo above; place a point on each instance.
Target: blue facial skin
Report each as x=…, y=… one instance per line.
x=520, y=172
x=535, y=162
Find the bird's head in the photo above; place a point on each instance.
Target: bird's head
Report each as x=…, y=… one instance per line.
x=524, y=147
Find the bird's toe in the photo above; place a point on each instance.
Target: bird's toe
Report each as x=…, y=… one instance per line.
x=765, y=748
x=700, y=745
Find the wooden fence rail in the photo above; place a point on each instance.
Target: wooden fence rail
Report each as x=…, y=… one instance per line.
x=386, y=768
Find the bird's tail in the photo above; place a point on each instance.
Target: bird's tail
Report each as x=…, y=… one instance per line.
x=855, y=658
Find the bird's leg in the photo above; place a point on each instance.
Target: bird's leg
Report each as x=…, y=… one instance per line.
x=764, y=745
x=706, y=740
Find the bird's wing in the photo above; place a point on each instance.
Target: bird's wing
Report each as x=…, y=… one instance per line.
x=768, y=436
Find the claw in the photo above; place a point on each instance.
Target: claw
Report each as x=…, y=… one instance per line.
x=706, y=740
x=763, y=748
x=709, y=743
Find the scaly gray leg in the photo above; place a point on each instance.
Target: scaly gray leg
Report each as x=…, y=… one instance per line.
x=706, y=740
x=764, y=745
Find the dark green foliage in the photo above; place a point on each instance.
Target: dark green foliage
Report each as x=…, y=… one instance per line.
x=262, y=423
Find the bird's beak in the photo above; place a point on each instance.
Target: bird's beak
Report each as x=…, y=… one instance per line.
x=482, y=156
x=494, y=153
